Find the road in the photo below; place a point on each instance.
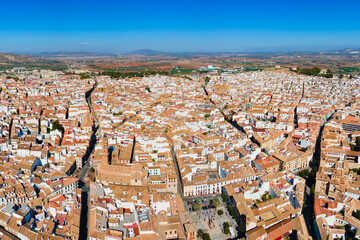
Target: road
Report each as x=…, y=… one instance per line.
x=86, y=167
x=180, y=185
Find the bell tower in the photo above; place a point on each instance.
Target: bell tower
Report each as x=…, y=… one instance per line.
x=105, y=152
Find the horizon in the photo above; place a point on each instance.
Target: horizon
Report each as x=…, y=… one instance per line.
x=121, y=26
x=159, y=52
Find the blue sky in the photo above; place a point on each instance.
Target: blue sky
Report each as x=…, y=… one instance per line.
x=121, y=26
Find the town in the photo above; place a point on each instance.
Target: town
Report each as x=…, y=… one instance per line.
x=221, y=155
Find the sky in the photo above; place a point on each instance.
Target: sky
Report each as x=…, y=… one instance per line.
x=118, y=26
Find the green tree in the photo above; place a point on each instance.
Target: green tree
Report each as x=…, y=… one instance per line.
x=352, y=147
x=84, y=75
x=197, y=205
x=304, y=173
x=215, y=202
x=264, y=197
x=220, y=212
x=315, y=70
x=57, y=126
x=92, y=169
x=207, y=79
x=231, y=211
x=241, y=229
x=200, y=233
x=226, y=228
x=206, y=236
x=224, y=198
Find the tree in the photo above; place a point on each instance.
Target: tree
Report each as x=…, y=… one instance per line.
x=309, y=71
x=241, y=229
x=303, y=149
x=341, y=75
x=231, y=211
x=304, y=173
x=220, y=212
x=206, y=236
x=224, y=198
x=226, y=228
x=92, y=169
x=207, y=115
x=329, y=73
x=207, y=79
x=200, y=233
x=57, y=126
x=215, y=202
x=352, y=147
x=265, y=197
x=197, y=205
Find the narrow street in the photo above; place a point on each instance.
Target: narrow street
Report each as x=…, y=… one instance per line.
x=180, y=185
x=308, y=210
x=85, y=169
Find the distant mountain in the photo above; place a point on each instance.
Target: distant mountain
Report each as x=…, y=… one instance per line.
x=18, y=58
x=147, y=52
x=78, y=54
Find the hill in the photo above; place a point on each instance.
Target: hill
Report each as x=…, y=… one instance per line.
x=72, y=54
x=11, y=60
x=17, y=58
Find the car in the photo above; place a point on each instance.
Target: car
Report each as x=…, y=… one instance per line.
x=191, y=203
